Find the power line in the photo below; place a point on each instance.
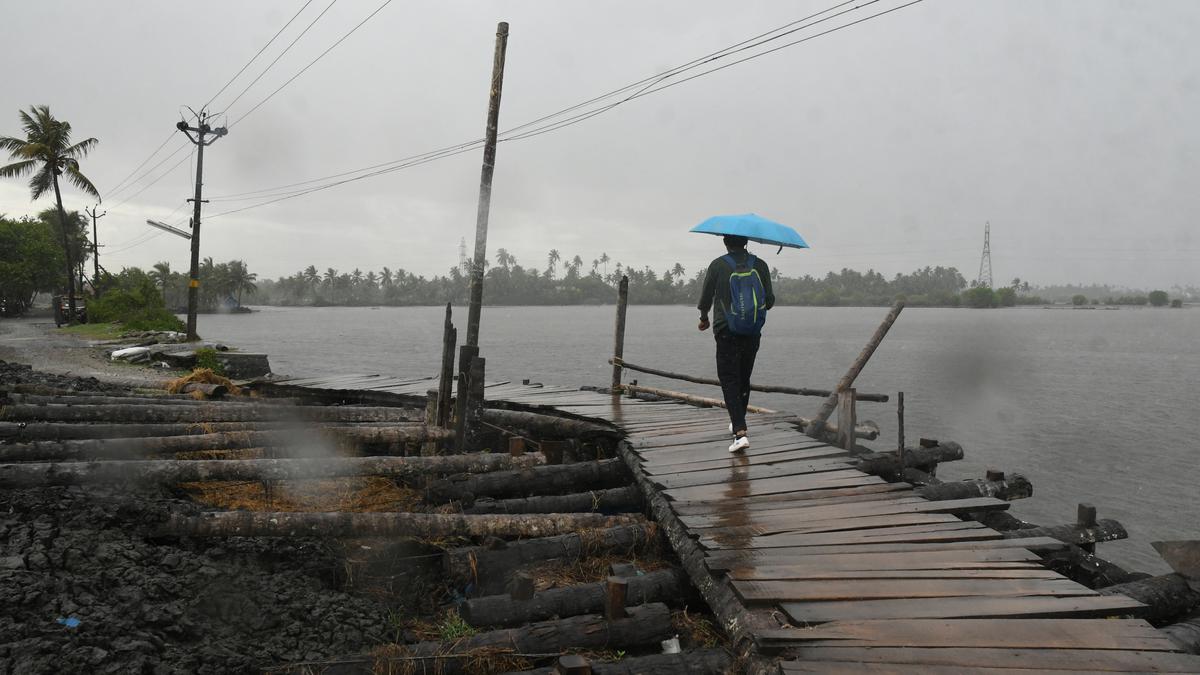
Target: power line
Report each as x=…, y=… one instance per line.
x=652, y=79
x=285, y=51
x=259, y=52
x=117, y=188
x=554, y=126
x=161, y=176
x=311, y=63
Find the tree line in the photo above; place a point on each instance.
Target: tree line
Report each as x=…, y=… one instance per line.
x=572, y=281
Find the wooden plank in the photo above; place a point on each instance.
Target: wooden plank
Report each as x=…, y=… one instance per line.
x=1090, y=660
x=770, y=486
x=815, y=497
x=1011, y=571
x=921, y=560
x=736, y=473
x=1032, y=607
x=741, y=534
x=802, y=512
x=856, y=537
x=1132, y=634
x=723, y=560
x=764, y=456
x=710, y=451
x=875, y=589
x=649, y=445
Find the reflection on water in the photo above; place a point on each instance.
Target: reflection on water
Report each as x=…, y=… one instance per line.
x=1091, y=406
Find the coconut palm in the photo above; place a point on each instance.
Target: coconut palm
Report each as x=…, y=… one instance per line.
x=241, y=279
x=47, y=152
x=553, y=257
x=161, y=274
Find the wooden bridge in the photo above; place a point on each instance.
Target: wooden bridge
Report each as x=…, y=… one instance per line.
x=800, y=554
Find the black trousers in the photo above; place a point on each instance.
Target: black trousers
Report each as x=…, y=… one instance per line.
x=735, y=363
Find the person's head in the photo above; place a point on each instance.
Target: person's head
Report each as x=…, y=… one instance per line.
x=735, y=243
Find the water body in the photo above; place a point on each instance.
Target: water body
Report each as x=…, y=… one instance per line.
x=1093, y=406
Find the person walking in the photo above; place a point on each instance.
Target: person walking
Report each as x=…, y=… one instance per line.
x=738, y=286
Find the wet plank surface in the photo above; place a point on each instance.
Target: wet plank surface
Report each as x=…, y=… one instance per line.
x=873, y=577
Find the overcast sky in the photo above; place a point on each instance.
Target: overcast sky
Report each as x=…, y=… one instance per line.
x=1070, y=125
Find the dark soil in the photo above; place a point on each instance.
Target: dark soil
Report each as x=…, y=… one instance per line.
x=160, y=605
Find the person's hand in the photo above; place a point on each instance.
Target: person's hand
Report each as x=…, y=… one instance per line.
x=704, y=323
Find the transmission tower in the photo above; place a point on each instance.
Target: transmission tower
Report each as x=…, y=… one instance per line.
x=462, y=256
x=985, y=261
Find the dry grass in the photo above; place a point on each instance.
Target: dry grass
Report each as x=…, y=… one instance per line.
x=204, y=376
x=397, y=660
x=361, y=494
x=697, y=630
x=559, y=573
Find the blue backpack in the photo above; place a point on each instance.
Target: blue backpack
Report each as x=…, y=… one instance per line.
x=747, y=311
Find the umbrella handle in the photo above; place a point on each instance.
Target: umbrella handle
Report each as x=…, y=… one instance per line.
x=779, y=251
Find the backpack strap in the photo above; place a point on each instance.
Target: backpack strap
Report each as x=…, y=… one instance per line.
x=733, y=263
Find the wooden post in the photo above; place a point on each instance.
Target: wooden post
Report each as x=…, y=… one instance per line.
x=1086, y=517
x=822, y=416
x=431, y=414
x=446, y=377
x=485, y=186
x=900, y=431
x=466, y=355
x=994, y=475
x=619, y=334
x=553, y=451
x=572, y=664
x=516, y=446
x=474, y=402
x=522, y=587
x=847, y=418
x=614, y=599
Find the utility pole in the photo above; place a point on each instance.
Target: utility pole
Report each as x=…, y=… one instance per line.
x=984, y=279
x=95, y=250
x=201, y=130
x=470, y=365
x=485, y=187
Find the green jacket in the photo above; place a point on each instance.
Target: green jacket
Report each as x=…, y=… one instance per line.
x=716, y=287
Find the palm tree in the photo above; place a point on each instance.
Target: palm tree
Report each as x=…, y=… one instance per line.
x=553, y=257
x=677, y=271
x=385, y=278
x=503, y=259
x=241, y=279
x=311, y=276
x=161, y=275
x=604, y=261
x=47, y=148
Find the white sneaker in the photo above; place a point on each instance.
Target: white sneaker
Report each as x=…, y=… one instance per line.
x=740, y=444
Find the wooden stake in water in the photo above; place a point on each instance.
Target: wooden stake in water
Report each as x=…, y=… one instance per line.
x=619, y=334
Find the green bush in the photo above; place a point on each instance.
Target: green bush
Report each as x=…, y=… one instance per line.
x=134, y=301
x=980, y=297
x=206, y=357
x=1079, y=300
x=1158, y=298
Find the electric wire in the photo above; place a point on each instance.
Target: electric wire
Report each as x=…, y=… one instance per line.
x=281, y=54
x=312, y=63
x=258, y=53
x=147, y=186
x=118, y=187
x=739, y=46
x=554, y=126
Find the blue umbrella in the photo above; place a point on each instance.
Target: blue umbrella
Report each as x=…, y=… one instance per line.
x=754, y=228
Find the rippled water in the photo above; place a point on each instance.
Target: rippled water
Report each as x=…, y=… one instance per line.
x=1093, y=406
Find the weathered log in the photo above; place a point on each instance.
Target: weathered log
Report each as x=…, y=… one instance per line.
x=301, y=441
x=765, y=388
x=668, y=585
x=883, y=463
x=1012, y=487
x=542, y=480
x=473, y=565
x=60, y=431
x=210, y=391
x=712, y=661
x=349, y=525
x=1087, y=568
x=646, y=625
x=1104, y=530
x=606, y=501
x=546, y=425
x=445, y=396
x=1169, y=596
x=619, y=333
x=211, y=412
x=187, y=471
x=1185, y=633
x=739, y=623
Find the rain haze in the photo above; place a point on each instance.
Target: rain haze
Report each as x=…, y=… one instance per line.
x=1069, y=126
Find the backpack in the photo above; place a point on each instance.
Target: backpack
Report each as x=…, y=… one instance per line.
x=747, y=310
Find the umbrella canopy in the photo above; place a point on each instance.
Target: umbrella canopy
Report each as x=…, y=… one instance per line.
x=754, y=228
